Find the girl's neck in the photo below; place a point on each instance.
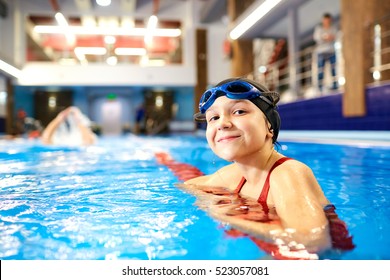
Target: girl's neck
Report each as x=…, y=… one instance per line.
x=258, y=165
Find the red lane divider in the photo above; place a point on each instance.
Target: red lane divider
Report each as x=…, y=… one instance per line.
x=183, y=171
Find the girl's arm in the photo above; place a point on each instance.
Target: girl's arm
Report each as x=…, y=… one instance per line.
x=225, y=176
x=299, y=203
x=298, y=200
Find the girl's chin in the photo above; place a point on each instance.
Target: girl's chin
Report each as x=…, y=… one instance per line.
x=229, y=157
x=227, y=153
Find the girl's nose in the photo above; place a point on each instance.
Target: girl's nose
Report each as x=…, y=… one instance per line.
x=224, y=122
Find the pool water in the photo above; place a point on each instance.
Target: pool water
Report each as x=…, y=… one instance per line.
x=115, y=201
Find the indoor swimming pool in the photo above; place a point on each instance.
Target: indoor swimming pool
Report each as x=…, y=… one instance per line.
x=114, y=200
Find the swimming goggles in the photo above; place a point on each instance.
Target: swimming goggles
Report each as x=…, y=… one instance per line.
x=232, y=90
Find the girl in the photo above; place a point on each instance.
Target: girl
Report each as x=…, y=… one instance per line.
x=242, y=128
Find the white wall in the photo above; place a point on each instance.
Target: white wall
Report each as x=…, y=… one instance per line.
x=6, y=37
x=120, y=75
x=43, y=73
x=219, y=66
x=12, y=36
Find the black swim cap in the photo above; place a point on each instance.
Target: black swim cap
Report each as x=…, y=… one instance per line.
x=270, y=111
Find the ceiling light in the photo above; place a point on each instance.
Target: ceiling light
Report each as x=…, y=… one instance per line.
x=93, y=30
x=253, y=17
x=112, y=60
x=159, y=102
x=103, y=3
x=52, y=102
x=8, y=68
x=63, y=24
x=152, y=22
x=61, y=20
x=150, y=28
x=109, y=40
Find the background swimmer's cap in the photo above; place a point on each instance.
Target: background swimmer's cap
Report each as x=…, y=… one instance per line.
x=269, y=111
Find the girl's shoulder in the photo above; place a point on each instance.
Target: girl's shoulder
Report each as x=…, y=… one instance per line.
x=226, y=176
x=296, y=177
x=294, y=165
x=292, y=174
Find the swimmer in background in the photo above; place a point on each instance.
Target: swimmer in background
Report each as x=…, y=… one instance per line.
x=69, y=127
x=242, y=127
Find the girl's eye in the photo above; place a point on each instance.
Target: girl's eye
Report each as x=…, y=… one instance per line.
x=212, y=118
x=239, y=112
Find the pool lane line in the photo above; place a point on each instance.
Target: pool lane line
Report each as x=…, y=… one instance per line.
x=183, y=171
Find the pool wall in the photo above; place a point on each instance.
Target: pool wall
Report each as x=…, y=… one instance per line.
x=325, y=113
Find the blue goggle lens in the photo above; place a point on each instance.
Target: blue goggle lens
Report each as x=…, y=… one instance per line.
x=233, y=90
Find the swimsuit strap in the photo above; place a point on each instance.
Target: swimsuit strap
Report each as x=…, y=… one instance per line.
x=240, y=185
x=264, y=193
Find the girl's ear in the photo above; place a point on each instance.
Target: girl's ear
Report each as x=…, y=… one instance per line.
x=270, y=133
x=270, y=130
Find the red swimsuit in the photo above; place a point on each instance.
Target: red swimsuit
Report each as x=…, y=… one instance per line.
x=264, y=193
x=337, y=228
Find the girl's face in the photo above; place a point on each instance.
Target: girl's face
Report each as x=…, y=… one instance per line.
x=236, y=129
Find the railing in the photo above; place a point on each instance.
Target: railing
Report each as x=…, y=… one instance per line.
x=276, y=76
x=380, y=49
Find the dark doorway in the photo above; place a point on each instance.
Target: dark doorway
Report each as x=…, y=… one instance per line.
x=158, y=111
x=47, y=104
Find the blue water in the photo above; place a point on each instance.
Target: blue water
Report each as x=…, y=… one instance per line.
x=114, y=201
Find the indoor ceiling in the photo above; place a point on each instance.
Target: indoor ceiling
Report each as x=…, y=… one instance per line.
x=53, y=47
x=93, y=33
x=276, y=23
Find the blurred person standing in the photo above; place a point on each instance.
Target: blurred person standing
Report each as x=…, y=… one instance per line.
x=20, y=121
x=325, y=36
x=140, y=119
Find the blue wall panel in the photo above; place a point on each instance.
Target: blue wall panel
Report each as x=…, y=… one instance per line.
x=325, y=113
